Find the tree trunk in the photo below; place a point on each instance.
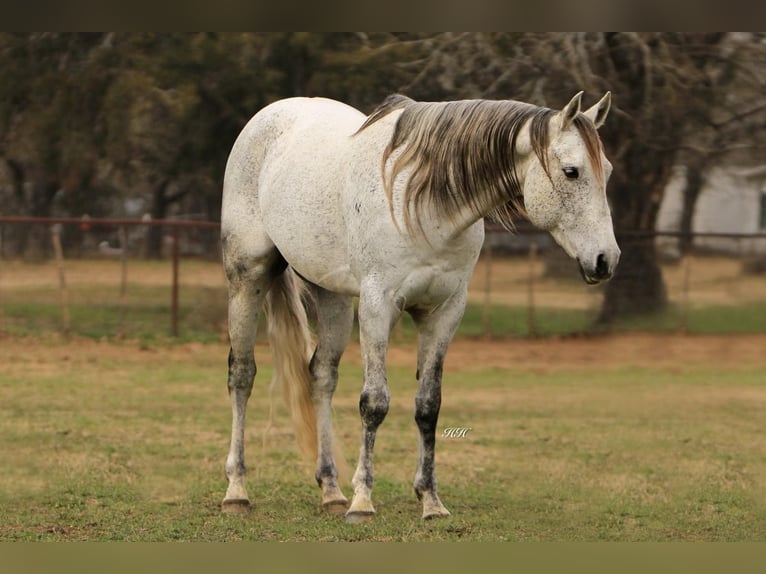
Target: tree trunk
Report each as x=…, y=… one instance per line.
x=162, y=201
x=33, y=197
x=15, y=235
x=35, y=240
x=691, y=192
x=637, y=286
x=155, y=232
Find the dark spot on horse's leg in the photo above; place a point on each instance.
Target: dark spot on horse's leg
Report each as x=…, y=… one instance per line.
x=241, y=268
x=427, y=406
x=426, y=417
x=373, y=407
x=325, y=471
x=241, y=373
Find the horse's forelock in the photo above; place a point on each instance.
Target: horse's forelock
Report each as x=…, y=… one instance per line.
x=593, y=146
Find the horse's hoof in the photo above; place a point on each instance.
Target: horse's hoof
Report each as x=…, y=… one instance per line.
x=335, y=506
x=359, y=517
x=435, y=511
x=236, y=506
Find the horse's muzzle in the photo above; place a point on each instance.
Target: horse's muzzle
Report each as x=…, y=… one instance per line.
x=601, y=271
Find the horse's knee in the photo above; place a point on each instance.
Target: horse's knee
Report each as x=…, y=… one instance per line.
x=373, y=406
x=427, y=412
x=427, y=404
x=241, y=373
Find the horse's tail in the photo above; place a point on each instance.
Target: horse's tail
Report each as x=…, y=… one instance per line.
x=291, y=347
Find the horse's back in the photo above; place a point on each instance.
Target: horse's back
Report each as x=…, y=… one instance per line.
x=284, y=174
x=273, y=131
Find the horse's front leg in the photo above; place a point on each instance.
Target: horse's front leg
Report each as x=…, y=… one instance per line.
x=376, y=316
x=435, y=331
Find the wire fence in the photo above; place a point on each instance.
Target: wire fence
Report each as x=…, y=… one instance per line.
x=91, y=242
x=718, y=285
x=142, y=278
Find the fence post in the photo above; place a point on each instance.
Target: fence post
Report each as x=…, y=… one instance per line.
x=64, y=296
x=123, y=235
x=174, y=296
x=686, y=262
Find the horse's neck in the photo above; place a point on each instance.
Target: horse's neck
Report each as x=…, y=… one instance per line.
x=461, y=225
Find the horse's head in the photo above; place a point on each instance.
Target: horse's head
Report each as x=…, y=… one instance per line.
x=565, y=193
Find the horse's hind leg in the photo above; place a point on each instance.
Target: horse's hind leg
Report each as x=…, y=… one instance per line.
x=435, y=331
x=335, y=314
x=249, y=278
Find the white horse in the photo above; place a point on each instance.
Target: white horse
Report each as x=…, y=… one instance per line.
x=388, y=208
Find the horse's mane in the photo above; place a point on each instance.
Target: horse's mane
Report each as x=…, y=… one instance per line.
x=463, y=153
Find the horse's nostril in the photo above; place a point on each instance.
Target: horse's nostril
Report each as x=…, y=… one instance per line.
x=602, y=268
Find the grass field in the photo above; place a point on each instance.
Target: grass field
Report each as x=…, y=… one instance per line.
x=628, y=437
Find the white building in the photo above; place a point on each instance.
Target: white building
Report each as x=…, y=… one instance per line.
x=732, y=200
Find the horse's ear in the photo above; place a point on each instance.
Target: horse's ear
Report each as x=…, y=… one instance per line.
x=524, y=141
x=571, y=110
x=598, y=112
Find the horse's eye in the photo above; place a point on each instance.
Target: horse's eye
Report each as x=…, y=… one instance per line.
x=571, y=172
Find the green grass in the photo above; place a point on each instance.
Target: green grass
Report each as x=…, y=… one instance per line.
x=124, y=442
x=748, y=317
x=507, y=321
x=97, y=313
x=202, y=313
